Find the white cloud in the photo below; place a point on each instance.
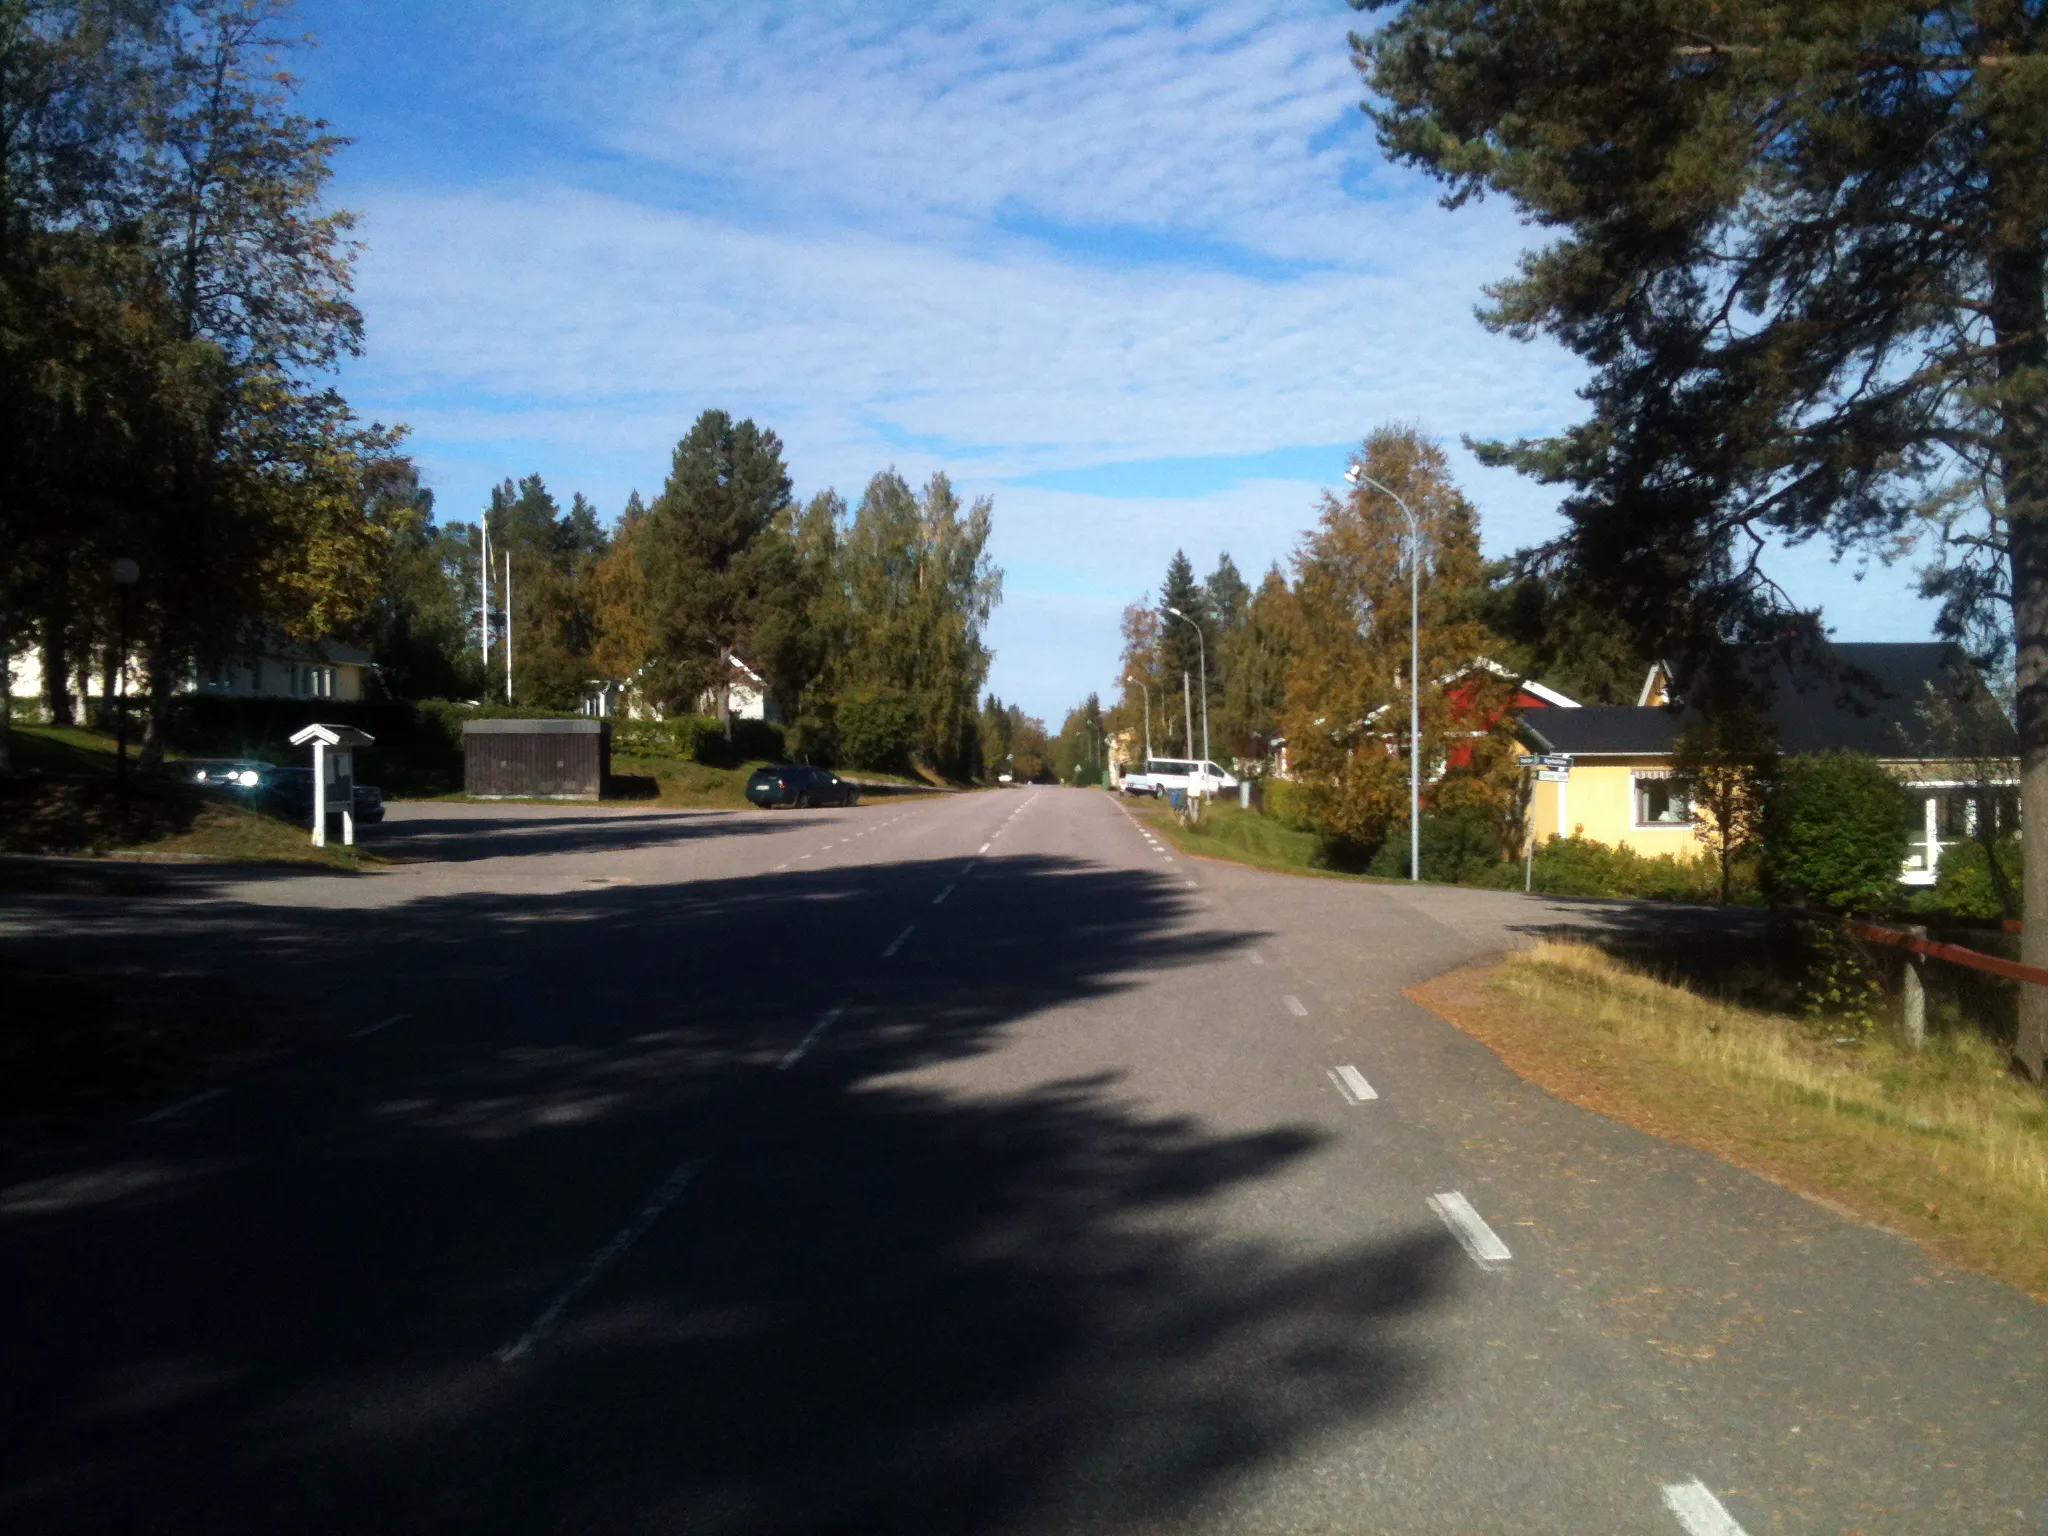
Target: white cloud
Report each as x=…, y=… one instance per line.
x=995, y=239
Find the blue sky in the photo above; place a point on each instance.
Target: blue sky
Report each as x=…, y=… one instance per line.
x=1134, y=270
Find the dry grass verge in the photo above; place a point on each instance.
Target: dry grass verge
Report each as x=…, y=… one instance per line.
x=1943, y=1145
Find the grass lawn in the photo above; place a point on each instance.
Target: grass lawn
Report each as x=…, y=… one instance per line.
x=1944, y=1145
x=64, y=749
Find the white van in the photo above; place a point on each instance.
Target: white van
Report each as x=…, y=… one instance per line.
x=1197, y=778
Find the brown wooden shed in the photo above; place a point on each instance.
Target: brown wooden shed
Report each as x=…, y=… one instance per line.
x=536, y=759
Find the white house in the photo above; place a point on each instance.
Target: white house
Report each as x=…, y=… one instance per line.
x=607, y=698
x=277, y=669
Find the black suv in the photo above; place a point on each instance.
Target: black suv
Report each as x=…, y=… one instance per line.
x=797, y=785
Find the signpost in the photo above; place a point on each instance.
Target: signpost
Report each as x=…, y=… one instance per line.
x=334, y=763
x=1551, y=768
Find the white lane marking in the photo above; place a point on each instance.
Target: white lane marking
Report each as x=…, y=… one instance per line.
x=631, y=1233
x=802, y=856
x=986, y=846
x=1352, y=1084
x=1294, y=1006
x=967, y=868
x=1698, y=1510
x=936, y=900
x=898, y=942
x=779, y=868
x=1194, y=885
x=1470, y=1229
x=371, y=1029
x=169, y=1111
x=1257, y=958
x=831, y=1017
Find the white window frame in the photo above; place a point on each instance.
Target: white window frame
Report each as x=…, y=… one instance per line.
x=1638, y=777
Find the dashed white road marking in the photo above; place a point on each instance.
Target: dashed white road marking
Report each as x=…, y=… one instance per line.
x=172, y=1111
x=1256, y=958
x=371, y=1029
x=986, y=846
x=1352, y=1084
x=796, y=1052
x=967, y=868
x=780, y=867
x=1470, y=1229
x=938, y=899
x=898, y=942
x=631, y=1233
x=1295, y=1006
x=1698, y=1510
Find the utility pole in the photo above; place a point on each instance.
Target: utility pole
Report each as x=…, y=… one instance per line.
x=1357, y=476
x=508, y=626
x=483, y=601
x=1202, y=652
x=1187, y=710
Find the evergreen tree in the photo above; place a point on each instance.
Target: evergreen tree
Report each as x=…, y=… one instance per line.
x=702, y=548
x=1181, y=655
x=1255, y=656
x=1804, y=248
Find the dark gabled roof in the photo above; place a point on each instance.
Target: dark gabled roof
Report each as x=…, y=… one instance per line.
x=1910, y=700
x=1602, y=730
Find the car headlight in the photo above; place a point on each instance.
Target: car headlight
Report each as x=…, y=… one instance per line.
x=200, y=776
x=247, y=778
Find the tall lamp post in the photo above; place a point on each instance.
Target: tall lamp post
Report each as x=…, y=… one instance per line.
x=1202, y=652
x=126, y=573
x=1356, y=476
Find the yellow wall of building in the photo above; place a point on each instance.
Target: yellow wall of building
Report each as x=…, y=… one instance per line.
x=1599, y=803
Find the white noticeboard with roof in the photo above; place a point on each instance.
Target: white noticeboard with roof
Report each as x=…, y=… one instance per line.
x=334, y=774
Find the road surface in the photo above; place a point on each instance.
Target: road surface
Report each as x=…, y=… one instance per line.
x=955, y=1165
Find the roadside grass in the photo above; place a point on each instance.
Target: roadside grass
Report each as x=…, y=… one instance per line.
x=76, y=1047
x=155, y=818
x=1245, y=837
x=1942, y=1145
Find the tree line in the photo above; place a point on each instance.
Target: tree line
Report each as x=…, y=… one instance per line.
x=1313, y=664
x=182, y=482
x=173, y=297
x=864, y=624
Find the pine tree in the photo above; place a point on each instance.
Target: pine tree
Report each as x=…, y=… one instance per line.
x=1804, y=249
x=1181, y=654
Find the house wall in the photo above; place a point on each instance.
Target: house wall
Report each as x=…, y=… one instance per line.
x=1599, y=803
x=241, y=677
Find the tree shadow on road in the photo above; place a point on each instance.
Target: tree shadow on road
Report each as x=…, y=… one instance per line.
x=887, y=1299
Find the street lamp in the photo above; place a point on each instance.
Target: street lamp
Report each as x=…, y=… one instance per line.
x=1356, y=476
x=126, y=573
x=1202, y=652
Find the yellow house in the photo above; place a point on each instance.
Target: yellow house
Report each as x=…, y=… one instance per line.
x=1909, y=705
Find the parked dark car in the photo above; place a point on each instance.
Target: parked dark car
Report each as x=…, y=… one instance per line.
x=290, y=792
x=230, y=773
x=794, y=784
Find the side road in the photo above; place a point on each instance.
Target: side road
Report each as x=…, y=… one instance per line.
x=976, y=1164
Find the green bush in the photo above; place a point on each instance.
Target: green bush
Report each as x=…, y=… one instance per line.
x=1579, y=866
x=877, y=729
x=1835, y=832
x=1964, y=885
x=1459, y=847
x=1282, y=802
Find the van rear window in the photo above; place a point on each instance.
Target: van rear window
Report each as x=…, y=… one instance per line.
x=1169, y=765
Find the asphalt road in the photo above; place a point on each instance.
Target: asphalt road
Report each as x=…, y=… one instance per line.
x=965, y=1165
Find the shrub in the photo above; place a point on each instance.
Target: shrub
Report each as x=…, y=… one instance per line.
x=1459, y=846
x=1965, y=885
x=1579, y=866
x=877, y=729
x=1282, y=801
x=1835, y=832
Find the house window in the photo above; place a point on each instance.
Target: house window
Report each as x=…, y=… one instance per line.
x=1661, y=801
x=312, y=682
